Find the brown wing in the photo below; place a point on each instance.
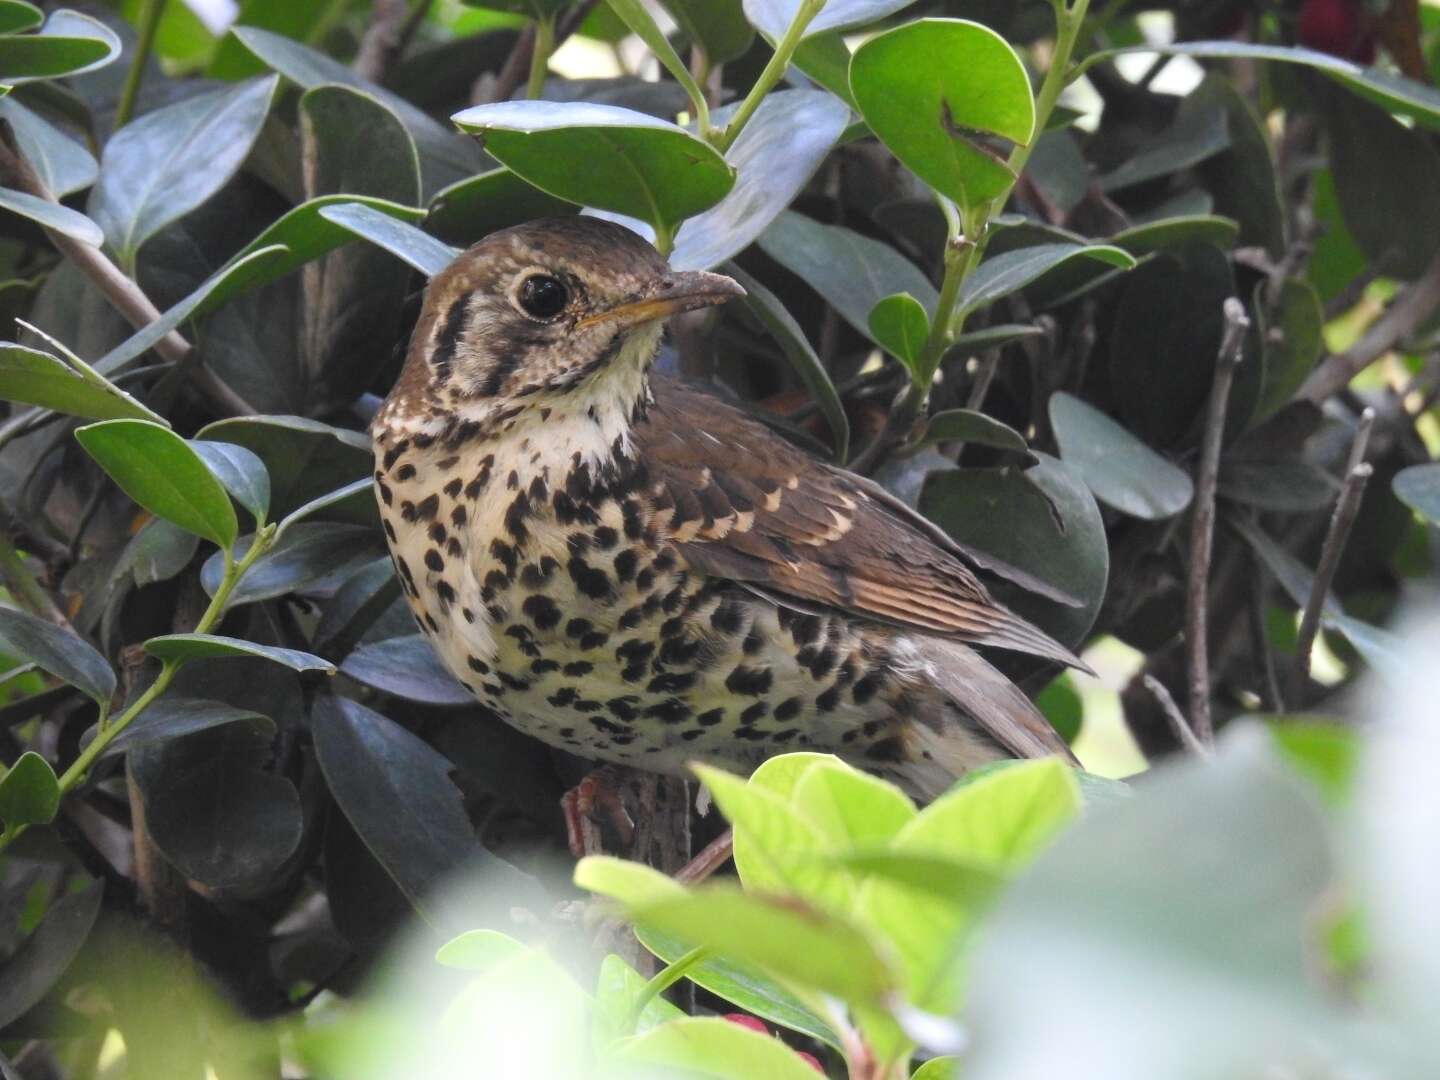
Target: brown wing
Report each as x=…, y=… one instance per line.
x=740, y=502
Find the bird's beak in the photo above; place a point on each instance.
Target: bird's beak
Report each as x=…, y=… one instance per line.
x=684, y=290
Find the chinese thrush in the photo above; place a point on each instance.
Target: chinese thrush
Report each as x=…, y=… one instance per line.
x=636, y=572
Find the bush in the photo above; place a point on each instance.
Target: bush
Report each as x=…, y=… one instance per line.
x=1135, y=301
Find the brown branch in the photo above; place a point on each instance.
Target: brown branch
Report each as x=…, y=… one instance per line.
x=391, y=26
x=1342, y=520
x=1202, y=522
x=712, y=856
x=502, y=84
x=1401, y=319
x=1178, y=723
x=124, y=295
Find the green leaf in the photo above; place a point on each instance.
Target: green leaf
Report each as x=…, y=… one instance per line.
x=186, y=647
x=1001, y=275
x=1120, y=469
x=51, y=215
x=1242, y=179
x=940, y=1068
x=307, y=234
x=1287, y=485
x=61, y=163
x=1325, y=752
x=784, y=936
x=1418, y=487
x=40, y=961
x=618, y=991
x=774, y=157
x=60, y=652
x=850, y=808
x=159, y=470
x=900, y=325
x=773, y=17
x=241, y=471
x=306, y=460
x=1172, y=232
x=38, y=378
x=471, y=209
x=717, y=26
x=479, y=950
x=158, y=168
x=408, y=668
x=240, y=274
x=932, y=90
x=967, y=425
x=353, y=501
x=17, y=16
x=172, y=716
x=781, y=325
x=419, y=249
x=712, y=1047
x=602, y=156
x=300, y=558
x=68, y=44
x=1293, y=337
x=356, y=606
x=1197, y=134
x=852, y=272
x=630, y=883
x=29, y=792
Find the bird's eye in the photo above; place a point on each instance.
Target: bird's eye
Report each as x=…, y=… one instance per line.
x=542, y=296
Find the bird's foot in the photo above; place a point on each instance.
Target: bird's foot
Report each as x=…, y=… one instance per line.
x=591, y=804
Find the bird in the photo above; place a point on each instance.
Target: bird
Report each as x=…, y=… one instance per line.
x=633, y=570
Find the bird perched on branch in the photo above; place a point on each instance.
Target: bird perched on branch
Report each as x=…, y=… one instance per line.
x=639, y=573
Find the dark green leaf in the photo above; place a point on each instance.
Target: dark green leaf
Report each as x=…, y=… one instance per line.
x=241, y=471
x=610, y=158
x=1418, y=487
x=470, y=209
x=37, y=965
x=356, y=606
x=303, y=558
x=774, y=157
x=717, y=26
x=1292, y=336
x=52, y=215
x=634, y=14
x=29, y=792
x=406, y=667
x=68, y=44
x=791, y=339
x=1120, y=469
x=17, y=16
x=773, y=17
x=992, y=337
x=62, y=164
x=419, y=249
x=306, y=459
x=159, y=470
x=931, y=89
x=38, y=378
x=1043, y=521
x=1197, y=134
x=170, y=716
x=969, y=426
x=307, y=234
x=186, y=647
x=826, y=58
x=1242, y=178
x=397, y=793
x=157, y=552
x=852, y=272
x=57, y=651
x=1174, y=232
x=158, y=168
x=1001, y=275
x=1284, y=485
x=899, y=323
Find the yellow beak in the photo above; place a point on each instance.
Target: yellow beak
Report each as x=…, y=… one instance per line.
x=683, y=290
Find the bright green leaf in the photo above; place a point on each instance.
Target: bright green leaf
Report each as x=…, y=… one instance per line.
x=630, y=883
x=38, y=378
x=68, y=44
x=479, y=950
x=712, y=1047
x=772, y=17
x=899, y=323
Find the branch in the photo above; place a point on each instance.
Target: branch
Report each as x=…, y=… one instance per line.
x=123, y=294
x=382, y=41
x=1202, y=523
x=712, y=856
x=1347, y=508
x=1178, y=723
x=1401, y=319
x=502, y=84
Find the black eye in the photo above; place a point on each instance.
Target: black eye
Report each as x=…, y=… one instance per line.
x=542, y=296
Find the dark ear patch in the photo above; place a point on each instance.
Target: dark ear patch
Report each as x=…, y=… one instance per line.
x=449, y=338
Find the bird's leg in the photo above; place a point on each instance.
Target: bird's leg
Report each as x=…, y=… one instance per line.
x=590, y=803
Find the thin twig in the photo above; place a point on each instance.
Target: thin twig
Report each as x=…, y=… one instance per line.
x=501, y=85
x=1202, y=522
x=1402, y=318
x=381, y=42
x=1342, y=520
x=711, y=857
x=1178, y=723
x=1260, y=641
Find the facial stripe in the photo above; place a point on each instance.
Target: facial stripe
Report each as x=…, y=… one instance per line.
x=448, y=338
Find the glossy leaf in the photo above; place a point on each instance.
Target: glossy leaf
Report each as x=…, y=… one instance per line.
x=710, y=1046
x=933, y=90
x=164, y=164
x=38, y=378
x=186, y=647
x=240, y=470
x=640, y=22
x=773, y=17
x=29, y=792
x=44, y=957
x=603, y=156
x=62, y=164
x=618, y=992
x=1418, y=487
x=629, y=883
x=1196, y=135
x=159, y=470
x=306, y=459
x=967, y=425
x=301, y=559
x=68, y=44
x=419, y=249
x=353, y=502
x=1170, y=232
x=1001, y=275
x=900, y=325
x=1288, y=486
x=1120, y=469
x=718, y=26
x=364, y=597
x=306, y=233
x=172, y=716
x=406, y=667
x=1242, y=179
x=60, y=652
x=791, y=338
x=473, y=208
x=52, y=215
x=17, y=16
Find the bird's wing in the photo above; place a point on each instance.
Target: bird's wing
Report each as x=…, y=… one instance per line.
x=740, y=502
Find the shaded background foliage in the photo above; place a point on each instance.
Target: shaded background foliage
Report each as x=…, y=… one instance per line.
x=182, y=204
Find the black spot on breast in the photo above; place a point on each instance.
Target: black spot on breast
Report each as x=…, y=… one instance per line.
x=728, y=617
x=478, y=665
x=405, y=472
x=385, y=494
x=788, y=709
x=606, y=538
x=891, y=749
x=867, y=688
x=645, y=580
x=438, y=533
x=505, y=554
x=542, y=610
x=625, y=562
x=593, y=640
x=751, y=682
x=562, y=697
x=753, y=642
x=590, y=581
x=393, y=454
x=452, y=488
x=634, y=526
x=434, y=560
x=446, y=592
x=670, y=711
x=579, y=668
x=674, y=682
x=515, y=517
x=623, y=708
x=389, y=529
x=578, y=628
x=543, y=667
x=458, y=514
x=805, y=629
x=496, y=581
x=753, y=734
x=827, y=701
x=427, y=507
x=512, y=682
x=823, y=663
x=711, y=718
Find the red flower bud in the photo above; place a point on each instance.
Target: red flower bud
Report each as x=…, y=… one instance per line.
x=747, y=1021
x=810, y=1060
x=1337, y=27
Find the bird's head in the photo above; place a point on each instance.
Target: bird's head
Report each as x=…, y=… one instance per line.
x=560, y=309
